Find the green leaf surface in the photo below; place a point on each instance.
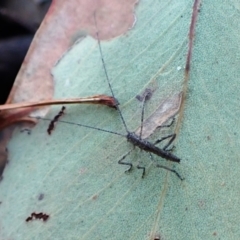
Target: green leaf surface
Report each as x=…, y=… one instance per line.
x=73, y=175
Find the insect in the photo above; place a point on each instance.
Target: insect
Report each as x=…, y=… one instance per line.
x=133, y=138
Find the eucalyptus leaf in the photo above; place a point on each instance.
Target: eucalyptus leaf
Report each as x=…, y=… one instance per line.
x=73, y=175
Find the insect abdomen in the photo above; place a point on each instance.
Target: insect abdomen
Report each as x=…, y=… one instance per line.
x=149, y=147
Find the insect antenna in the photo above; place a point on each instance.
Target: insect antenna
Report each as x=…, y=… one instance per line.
x=81, y=125
x=145, y=98
x=142, y=117
x=106, y=74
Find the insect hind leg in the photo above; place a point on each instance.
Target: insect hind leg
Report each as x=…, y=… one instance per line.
x=171, y=170
x=171, y=136
x=167, y=168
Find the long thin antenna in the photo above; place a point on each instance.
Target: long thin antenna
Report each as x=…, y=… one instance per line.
x=82, y=125
x=142, y=116
x=147, y=96
x=105, y=70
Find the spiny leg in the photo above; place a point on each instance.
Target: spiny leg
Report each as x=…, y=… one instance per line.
x=120, y=161
x=167, y=168
x=130, y=164
x=143, y=170
x=171, y=170
x=171, y=136
x=169, y=125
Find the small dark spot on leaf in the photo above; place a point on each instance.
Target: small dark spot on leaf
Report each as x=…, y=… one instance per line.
x=201, y=204
x=41, y=216
x=94, y=197
x=28, y=131
x=41, y=196
x=55, y=119
x=214, y=234
x=157, y=237
x=147, y=94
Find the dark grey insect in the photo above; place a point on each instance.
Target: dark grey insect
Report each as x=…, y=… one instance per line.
x=133, y=138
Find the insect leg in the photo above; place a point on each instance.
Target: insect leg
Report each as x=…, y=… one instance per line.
x=171, y=170
x=169, y=125
x=120, y=161
x=169, y=143
x=167, y=168
x=171, y=136
x=143, y=170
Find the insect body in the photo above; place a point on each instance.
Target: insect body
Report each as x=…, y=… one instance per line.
x=133, y=138
x=149, y=147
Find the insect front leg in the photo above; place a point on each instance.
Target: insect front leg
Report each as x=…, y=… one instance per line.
x=120, y=161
